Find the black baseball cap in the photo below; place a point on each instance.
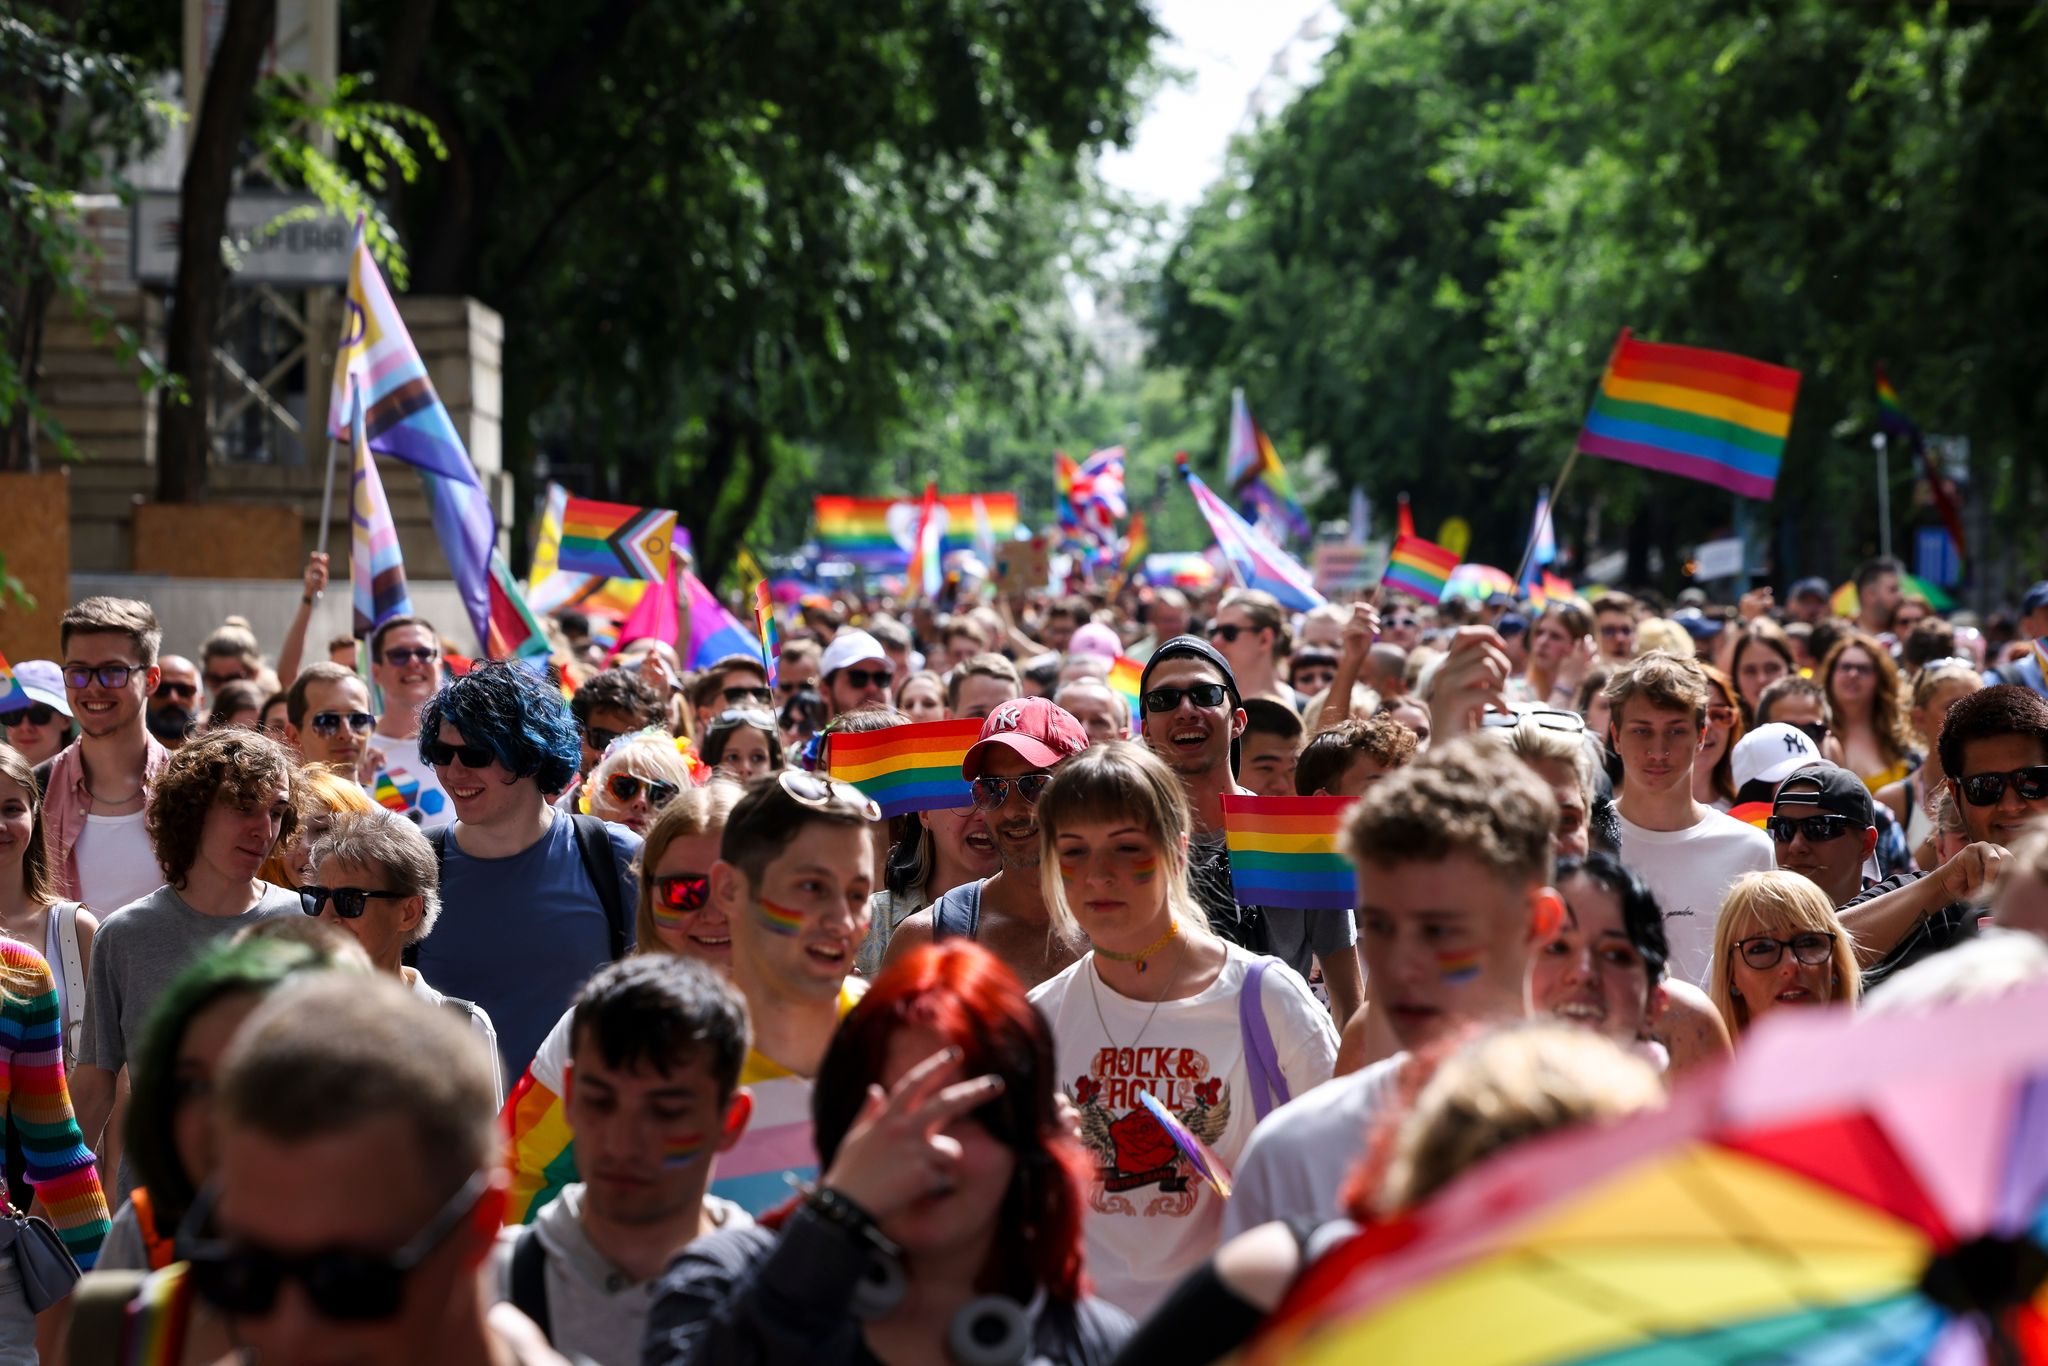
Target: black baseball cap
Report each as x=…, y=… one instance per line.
x=1830, y=788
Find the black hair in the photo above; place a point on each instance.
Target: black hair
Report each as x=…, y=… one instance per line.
x=2003, y=709
x=661, y=1009
x=516, y=715
x=616, y=690
x=1264, y=716
x=1868, y=572
x=1641, y=920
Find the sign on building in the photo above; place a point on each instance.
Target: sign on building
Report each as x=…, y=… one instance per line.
x=275, y=239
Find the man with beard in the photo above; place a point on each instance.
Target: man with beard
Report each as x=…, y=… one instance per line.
x=174, y=704
x=1021, y=742
x=652, y=1096
x=1193, y=719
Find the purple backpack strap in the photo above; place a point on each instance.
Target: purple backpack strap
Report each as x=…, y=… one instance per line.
x=1262, y=1060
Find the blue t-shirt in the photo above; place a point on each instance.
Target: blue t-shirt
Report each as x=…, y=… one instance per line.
x=520, y=935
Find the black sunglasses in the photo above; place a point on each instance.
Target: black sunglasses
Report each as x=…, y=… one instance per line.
x=739, y=697
x=188, y=691
x=1228, y=633
x=1201, y=694
x=331, y=722
x=1763, y=952
x=868, y=678
x=991, y=793
x=1816, y=731
x=626, y=786
x=342, y=1283
x=412, y=654
x=1817, y=829
x=600, y=739
x=35, y=714
x=683, y=891
x=1984, y=789
x=349, y=902
x=440, y=755
x=80, y=676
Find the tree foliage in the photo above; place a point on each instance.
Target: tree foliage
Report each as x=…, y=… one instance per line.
x=1423, y=262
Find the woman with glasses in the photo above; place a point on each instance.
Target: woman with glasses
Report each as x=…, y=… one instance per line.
x=1937, y=687
x=743, y=743
x=1713, y=774
x=1779, y=943
x=1159, y=1012
x=638, y=776
x=675, y=914
x=1869, y=706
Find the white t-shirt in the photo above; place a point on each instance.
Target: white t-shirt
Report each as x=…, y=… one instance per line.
x=1690, y=871
x=1150, y=1218
x=115, y=863
x=1300, y=1154
x=407, y=785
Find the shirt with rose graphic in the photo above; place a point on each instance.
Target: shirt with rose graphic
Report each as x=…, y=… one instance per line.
x=1151, y=1216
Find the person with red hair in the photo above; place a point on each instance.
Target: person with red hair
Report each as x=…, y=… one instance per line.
x=947, y=1224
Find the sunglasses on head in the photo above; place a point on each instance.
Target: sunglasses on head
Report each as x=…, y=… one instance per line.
x=165, y=689
x=349, y=902
x=411, y=654
x=867, y=678
x=739, y=697
x=439, y=754
x=991, y=793
x=683, y=891
x=78, y=677
x=1985, y=789
x=626, y=787
x=331, y=722
x=1762, y=952
x=35, y=714
x=1201, y=694
x=342, y=1283
x=1817, y=829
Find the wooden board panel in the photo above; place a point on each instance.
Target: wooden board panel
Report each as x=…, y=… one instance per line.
x=35, y=534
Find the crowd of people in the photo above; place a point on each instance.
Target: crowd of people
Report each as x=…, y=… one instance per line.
x=422, y=1009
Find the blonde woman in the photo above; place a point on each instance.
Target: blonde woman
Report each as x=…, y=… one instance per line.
x=1157, y=1006
x=1866, y=697
x=1779, y=943
x=638, y=776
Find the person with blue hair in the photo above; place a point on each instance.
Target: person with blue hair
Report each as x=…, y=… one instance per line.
x=533, y=900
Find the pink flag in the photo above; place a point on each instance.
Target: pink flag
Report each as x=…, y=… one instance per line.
x=654, y=616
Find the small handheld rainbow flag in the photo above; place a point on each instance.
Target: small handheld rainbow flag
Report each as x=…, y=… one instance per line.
x=1124, y=677
x=1283, y=852
x=764, y=626
x=1419, y=568
x=1205, y=1162
x=908, y=768
x=12, y=697
x=1137, y=545
x=616, y=540
x=1707, y=415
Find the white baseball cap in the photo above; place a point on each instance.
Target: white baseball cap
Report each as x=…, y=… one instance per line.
x=1771, y=753
x=847, y=648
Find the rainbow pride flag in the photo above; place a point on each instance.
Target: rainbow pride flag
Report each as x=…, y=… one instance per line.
x=1707, y=415
x=908, y=768
x=1124, y=678
x=858, y=529
x=12, y=696
x=1751, y=813
x=1283, y=852
x=1893, y=420
x=1419, y=568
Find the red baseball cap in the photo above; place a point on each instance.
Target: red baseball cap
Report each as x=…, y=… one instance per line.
x=1040, y=732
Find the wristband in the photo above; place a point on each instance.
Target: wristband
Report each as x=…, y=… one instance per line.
x=849, y=1218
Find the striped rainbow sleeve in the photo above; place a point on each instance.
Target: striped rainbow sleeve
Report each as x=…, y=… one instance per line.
x=39, y=1104
x=540, y=1149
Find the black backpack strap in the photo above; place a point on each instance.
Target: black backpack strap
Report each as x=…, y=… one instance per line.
x=438, y=837
x=530, y=1279
x=595, y=845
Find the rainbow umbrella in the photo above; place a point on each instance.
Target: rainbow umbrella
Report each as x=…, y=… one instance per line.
x=1846, y=602
x=1845, y=1191
x=1479, y=582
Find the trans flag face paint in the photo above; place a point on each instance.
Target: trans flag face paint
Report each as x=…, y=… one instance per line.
x=779, y=919
x=1457, y=967
x=680, y=1150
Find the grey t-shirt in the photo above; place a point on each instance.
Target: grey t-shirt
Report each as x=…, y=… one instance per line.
x=138, y=951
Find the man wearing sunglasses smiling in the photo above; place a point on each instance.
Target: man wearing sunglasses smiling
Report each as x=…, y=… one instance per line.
x=1823, y=827
x=327, y=715
x=360, y=1185
x=855, y=672
x=1994, y=749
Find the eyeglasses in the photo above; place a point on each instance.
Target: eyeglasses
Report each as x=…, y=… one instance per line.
x=186, y=691
x=1985, y=789
x=1227, y=634
x=735, y=697
x=78, y=677
x=626, y=787
x=868, y=678
x=822, y=794
x=439, y=754
x=412, y=654
x=1403, y=623
x=1201, y=694
x=35, y=714
x=991, y=793
x=1616, y=632
x=1853, y=666
x=349, y=902
x=331, y=722
x=1817, y=829
x=1762, y=952
x=682, y=891
x=342, y=1283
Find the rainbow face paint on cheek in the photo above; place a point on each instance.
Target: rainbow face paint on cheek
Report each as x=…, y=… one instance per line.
x=779, y=919
x=1144, y=869
x=1458, y=967
x=666, y=919
x=1070, y=870
x=682, y=1149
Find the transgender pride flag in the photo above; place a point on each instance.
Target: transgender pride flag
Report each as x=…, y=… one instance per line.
x=1255, y=560
x=376, y=571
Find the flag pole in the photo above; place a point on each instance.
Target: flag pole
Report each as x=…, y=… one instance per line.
x=327, y=496
x=1556, y=494
x=1878, y=446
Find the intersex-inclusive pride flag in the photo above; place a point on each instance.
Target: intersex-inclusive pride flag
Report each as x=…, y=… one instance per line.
x=1283, y=852
x=859, y=530
x=1419, y=568
x=1255, y=560
x=1707, y=415
x=908, y=768
x=615, y=540
x=376, y=571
